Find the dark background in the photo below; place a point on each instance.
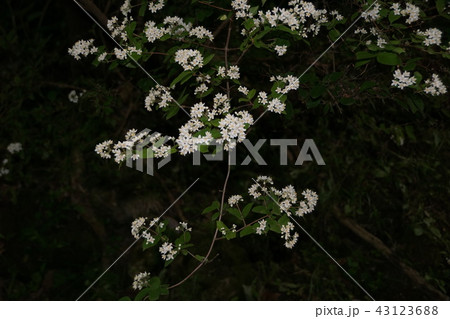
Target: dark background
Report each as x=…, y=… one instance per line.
x=65, y=213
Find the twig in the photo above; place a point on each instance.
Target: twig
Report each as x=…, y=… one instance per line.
x=213, y=241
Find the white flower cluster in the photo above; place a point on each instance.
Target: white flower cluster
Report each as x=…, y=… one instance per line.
x=234, y=200
x=159, y=95
x=290, y=240
x=167, y=251
x=233, y=128
x=262, y=224
x=307, y=206
x=411, y=11
x=243, y=90
x=175, y=26
x=189, y=59
x=14, y=147
x=287, y=196
x=141, y=280
x=232, y=73
x=372, y=14
x=201, y=33
x=434, y=86
x=186, y=141
x=261, y=182
x=203, y=79
x=82, y=47
x=290, y=83
x=402, y=80
x=296, y=17
x=74, y=97
x=154, y=143
x=280, y=49
x=242, y=8
x=183, y=226
x=432, y=36
x=11, y=148
x=118, y=29
x=155, y=5
x=125, y=8
x=139, y=229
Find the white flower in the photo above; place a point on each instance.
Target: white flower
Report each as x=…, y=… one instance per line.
x=412, y=12
x=126, y=7
x=158, y=95
x=233, y=72
x=183, y=226
x=402, y=80
x=104, y=149
x=233, y=127
x=233, y=200
x=120, y=54
x=396, y=8
x=73, y=96
x=253, y=191
x=14, y=148
x=189, y=59
x=281, y=49
x=433, y=36
x=261, y=227
x=136, y=226
x=262, y=98
x=290, y=240
x=308, y=205
x=202, y=88
x=243, y=90
x=167, y=251
x=276, y=106
x=152, y=32
x=360, y=31
x=4, y=171
x=381, y=42
x=155, y=5
x=198, y=109
x=201, y=33
x=148, y=237
x=141, y=280
x=434, y=86
x=373, y=14
x=82, y=47
x=102, y=57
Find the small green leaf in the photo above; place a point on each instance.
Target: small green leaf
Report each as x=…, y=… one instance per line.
x=215, y=205
x=246, y=231
x=388, y=58
x=247, y=209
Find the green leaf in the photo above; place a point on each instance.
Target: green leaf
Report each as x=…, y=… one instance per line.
x=388, y=58
x=334, y=34
x=247, y=231
x=317, y=91
x=249, y=24
x=393, y=17
x=208, y=59
x=367, y=85
x=347, y=101
x=364, y=55
x=214, y=206
x=247, y=209
x=180, y=77
x=260, y=209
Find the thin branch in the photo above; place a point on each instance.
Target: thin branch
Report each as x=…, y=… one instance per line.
x=213, y=241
